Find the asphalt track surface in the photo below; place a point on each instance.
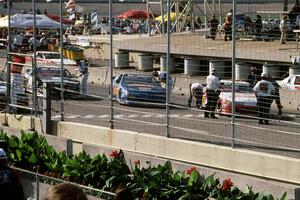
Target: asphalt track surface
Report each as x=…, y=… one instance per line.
x=281, y=137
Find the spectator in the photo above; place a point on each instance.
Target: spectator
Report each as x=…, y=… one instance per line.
x=228, y=27
x=213, y=23
x=258, y=27
x=163, y=79
x=17, y=41
x=84, y=73
x=66, y=40
x=196, y=91
x=263, y=90
x=283, y=29
x=10, y=183
x=44, y=41
x=65, y=191
x=212, y=94
x=248, y=25
x=31, y=43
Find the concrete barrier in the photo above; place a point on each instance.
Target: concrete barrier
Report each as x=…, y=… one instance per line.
x=267, y=167
x=242, y=161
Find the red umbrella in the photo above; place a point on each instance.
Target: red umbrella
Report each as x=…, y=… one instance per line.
x=135, y=14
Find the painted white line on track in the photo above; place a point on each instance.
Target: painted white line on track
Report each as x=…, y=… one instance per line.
x=200, y=115
x=103, y=116
x=148, y=116
x=56, y=116
x=89, y=116
x=268, y=129
x=174, y=115
x=188, y=115
x=119, y=116
x=132, y=116
x=159, y=116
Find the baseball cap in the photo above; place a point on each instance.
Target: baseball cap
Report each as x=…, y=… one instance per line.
x=2, y=153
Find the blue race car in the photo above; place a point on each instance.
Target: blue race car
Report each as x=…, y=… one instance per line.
x=138, y=88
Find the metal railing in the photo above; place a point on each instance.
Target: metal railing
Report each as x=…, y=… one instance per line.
x=35, y=186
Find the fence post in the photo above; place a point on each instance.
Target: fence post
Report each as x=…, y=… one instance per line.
x=69, y=147
x=168, y=89
x=46, y=108
x=111, y=66
x=297, y=193
x=233, y=77
x=8, y=86
x=37, y=186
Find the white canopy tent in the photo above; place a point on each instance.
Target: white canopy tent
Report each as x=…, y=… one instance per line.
x=26, y=21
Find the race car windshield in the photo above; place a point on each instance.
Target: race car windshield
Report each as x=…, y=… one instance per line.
x=238, y=88
x=133, y=79
x=50, y=73
x=52, y=56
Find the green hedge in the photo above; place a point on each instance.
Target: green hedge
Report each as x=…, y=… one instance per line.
x=32, y=152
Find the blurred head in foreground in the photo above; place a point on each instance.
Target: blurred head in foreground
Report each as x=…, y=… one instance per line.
x=65, y=191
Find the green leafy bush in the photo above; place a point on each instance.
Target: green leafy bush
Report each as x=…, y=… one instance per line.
x=32, y=152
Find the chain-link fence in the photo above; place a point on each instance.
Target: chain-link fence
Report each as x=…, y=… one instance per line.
x=36, y=185
x=156, y=77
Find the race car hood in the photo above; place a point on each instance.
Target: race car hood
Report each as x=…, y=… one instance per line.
x=240, y=98
x=58, y=79
x=144, y=88
x=66, y=61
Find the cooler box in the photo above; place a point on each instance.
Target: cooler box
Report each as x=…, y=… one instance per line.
x=76, y=54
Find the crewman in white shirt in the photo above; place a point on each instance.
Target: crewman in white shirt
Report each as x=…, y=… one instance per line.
x=196, y=91
x=212, y=94
x=263, y=90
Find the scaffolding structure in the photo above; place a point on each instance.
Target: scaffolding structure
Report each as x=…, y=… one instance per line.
x=184, y=14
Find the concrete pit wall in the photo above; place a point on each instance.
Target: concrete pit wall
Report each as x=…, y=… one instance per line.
x=263, y=165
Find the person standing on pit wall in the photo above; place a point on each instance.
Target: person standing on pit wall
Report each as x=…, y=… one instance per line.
x=258, y=27
x=15, y=74
x=276, y=94
x=10, y=183
x=163, y=79
x=66, y=40
x=283, y=29
x=252, y=77
x=213, y=24
x=263, y=90
x=44, y=41
x=228, y=26
x=84, y=73
x=196, y=91
x=212, y=94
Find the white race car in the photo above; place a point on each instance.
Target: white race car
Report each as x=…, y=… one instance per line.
x=52, y=58
x=291, y=83
x=245, y=99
